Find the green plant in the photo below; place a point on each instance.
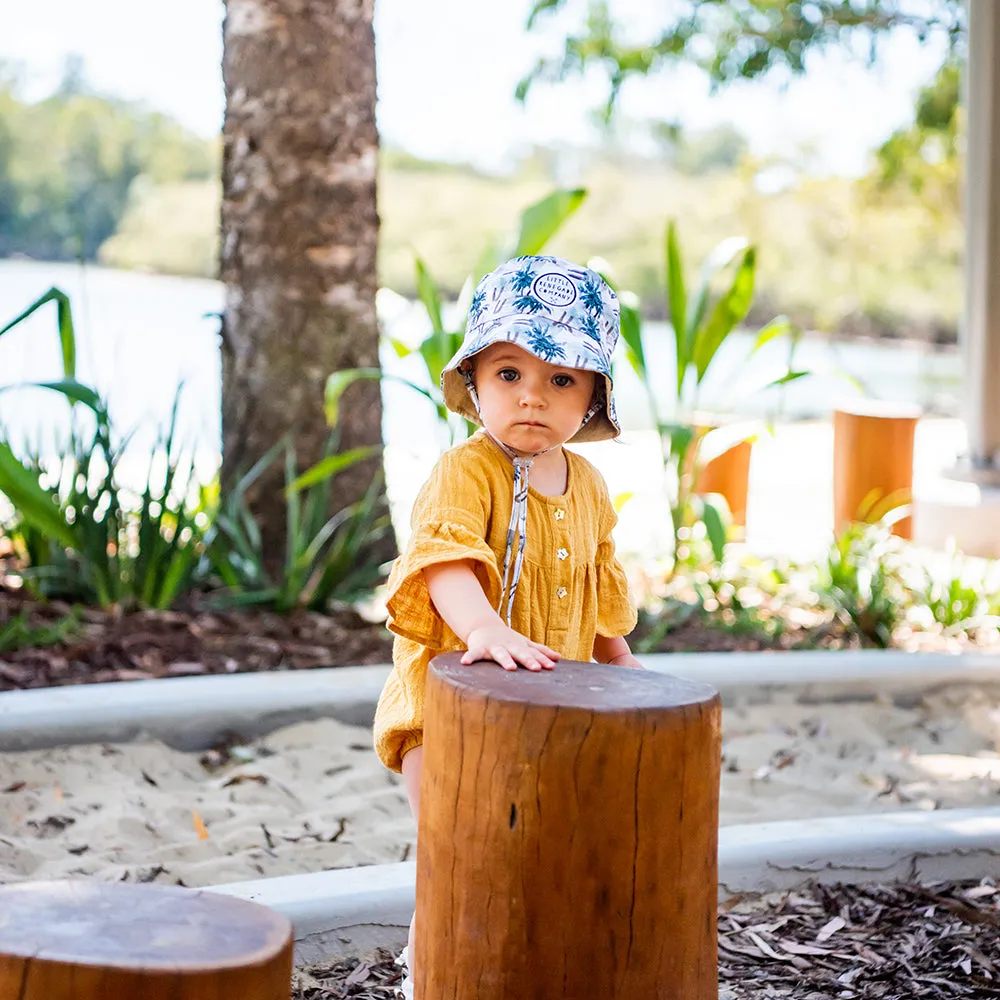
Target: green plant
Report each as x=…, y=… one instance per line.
x=323, y=561
x=957, y=597
x=861, y=579
x=539, y=222
x=79, y=532
x=83, y=536
x=64, y=326
x=743, y=596
x=699, y=327
x=19, y=633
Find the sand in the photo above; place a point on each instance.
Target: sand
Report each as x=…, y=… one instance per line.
x=313, y=796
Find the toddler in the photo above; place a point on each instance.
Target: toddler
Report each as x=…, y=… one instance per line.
x=509, y=570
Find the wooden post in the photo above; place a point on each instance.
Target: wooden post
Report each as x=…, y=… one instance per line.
x=729, y=475
x=568, y=835
x=79, y=940
x=872, y=456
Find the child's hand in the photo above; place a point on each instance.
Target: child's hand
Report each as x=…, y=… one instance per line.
x=508, y=648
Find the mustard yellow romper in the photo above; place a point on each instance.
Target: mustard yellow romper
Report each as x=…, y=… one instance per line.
x=572, y=587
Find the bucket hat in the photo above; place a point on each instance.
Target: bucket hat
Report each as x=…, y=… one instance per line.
x=558, y=311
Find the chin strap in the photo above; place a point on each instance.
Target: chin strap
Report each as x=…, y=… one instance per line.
x=519, y=508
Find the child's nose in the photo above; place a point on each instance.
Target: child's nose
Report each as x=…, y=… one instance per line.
x=532, y=394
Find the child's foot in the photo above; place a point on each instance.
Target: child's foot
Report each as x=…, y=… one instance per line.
x=405, y=989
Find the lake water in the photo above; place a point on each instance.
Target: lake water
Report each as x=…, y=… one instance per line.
x=141, y=336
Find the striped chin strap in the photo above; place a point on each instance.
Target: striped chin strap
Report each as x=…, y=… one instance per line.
x=519, y=509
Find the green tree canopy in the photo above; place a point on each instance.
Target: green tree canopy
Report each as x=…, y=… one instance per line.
x=924, y=158
x=735, y=39
x=68, y=162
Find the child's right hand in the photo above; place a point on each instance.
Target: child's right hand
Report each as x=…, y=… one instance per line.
x=508, y=648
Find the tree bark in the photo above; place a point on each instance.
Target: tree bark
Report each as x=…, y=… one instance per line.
x=299, y=237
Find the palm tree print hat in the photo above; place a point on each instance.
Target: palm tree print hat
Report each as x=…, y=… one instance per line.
x=561, y=312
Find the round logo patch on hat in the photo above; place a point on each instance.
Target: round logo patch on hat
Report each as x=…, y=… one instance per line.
x=554, y=289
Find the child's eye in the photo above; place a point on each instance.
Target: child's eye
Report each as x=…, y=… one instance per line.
x=508, y=374
x=562, y=380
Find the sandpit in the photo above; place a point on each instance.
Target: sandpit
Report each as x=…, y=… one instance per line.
x=313, y=796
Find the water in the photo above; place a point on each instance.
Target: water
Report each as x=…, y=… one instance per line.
x=140, y=336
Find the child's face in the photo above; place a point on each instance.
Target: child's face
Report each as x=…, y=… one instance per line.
x=527, y=403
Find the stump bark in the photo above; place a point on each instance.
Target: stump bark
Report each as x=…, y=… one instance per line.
x=79, y=940
x=568, y=835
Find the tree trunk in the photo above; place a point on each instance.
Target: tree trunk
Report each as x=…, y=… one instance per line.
x=299, y=236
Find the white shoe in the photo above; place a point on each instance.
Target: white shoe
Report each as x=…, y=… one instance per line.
x=405, y=989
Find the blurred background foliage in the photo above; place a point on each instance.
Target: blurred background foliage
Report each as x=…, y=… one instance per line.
x=74, y=165
x=87, y=177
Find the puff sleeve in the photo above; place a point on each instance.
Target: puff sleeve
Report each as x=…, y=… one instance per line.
x=449, y=522
x=616, y=614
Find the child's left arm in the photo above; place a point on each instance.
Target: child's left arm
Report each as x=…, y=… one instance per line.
x=614, y=651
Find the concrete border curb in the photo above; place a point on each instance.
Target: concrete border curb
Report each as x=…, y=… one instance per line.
x=188, y=713
x=192, y=713
x=354, y=910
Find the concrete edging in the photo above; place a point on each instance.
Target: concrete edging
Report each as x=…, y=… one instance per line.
x=193, y=713
x=354, y=910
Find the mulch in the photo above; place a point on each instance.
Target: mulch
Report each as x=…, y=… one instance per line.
x=46, y=644
x=74, y=645
x=870, y=942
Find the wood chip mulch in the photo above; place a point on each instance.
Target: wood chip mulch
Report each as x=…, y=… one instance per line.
x=875, y=941
x=374, y=978
x=74, y=645
x=870, y=942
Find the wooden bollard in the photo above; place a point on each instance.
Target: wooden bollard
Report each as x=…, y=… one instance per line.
x=728, y=474
x=872, y=460
x=79, y=940
x=568, y=835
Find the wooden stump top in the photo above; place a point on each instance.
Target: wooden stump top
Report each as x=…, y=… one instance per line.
x=594, y=687
x=117, y=925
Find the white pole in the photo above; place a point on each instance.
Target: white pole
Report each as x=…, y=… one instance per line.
x=981, y=328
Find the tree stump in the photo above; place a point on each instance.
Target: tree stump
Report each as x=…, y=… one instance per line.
x=873, y=461
x=78, y=940
x=568, y=835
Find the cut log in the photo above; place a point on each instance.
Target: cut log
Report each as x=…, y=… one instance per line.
x=568, y=834
x=873, y=462
x=79, y=940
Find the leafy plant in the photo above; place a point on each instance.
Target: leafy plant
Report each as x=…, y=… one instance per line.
x=729, y=41
x=81, y=534
x=19, y=633
x=539, y=222
x=699, y=326
x=861, y=579
x=324, y=556
x=65, y=327
x=743, y=596
x=957, y=597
